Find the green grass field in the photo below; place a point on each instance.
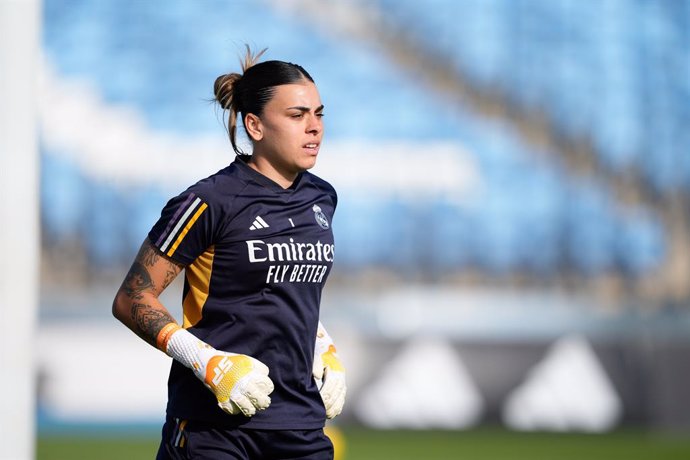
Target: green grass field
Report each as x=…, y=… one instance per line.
x=361, y=444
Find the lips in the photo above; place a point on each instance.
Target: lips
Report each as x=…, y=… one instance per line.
x=311, y=147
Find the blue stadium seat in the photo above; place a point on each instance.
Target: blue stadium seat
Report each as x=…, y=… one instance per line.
x=450, y=236
x=143, y=207
x=591, y=229
x=371, y=232
x=611, y=71
x=104, y=227
x=63, y=195
x=543, y=204
x=640, y=244
x=584, y=63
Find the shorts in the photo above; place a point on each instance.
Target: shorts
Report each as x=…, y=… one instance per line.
x=189, y=439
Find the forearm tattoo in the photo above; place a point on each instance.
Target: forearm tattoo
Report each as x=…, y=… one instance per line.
x=148, y=319
x=137, y=280
x=170, y=275
x=148, y=255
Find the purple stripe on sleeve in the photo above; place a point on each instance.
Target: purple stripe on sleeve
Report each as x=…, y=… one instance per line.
x=172, y=221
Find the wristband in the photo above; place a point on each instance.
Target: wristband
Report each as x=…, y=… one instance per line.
x=164, y=336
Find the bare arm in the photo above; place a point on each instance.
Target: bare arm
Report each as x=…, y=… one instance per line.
x=136, y=303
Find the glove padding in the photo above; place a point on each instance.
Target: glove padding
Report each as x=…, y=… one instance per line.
x=240, y=383
x=329, y=374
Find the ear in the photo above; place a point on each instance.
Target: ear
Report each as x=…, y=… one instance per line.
x=254, y=127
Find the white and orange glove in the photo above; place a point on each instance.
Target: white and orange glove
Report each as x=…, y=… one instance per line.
x=329, y=373
x=239, y=382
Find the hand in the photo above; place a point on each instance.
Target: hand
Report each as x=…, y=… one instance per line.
x=329, y=374
x=239, y=382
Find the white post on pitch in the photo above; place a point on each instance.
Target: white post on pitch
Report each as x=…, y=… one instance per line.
x=19, y=232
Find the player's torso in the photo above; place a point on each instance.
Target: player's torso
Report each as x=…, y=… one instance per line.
x=270, y=260
x=256, y=290
x=275, y=243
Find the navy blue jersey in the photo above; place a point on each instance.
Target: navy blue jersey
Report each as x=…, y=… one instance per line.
x=256, y=258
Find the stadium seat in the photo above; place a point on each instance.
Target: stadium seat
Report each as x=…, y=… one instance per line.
x=613, y=72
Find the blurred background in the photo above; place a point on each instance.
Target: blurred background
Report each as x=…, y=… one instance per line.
x=514, y=204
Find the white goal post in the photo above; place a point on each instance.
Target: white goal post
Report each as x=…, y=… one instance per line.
x=19, y=230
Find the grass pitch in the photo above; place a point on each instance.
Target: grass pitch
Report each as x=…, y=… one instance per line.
x=362, y=444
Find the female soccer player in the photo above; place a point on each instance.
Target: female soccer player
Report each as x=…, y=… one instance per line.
x=254, y=373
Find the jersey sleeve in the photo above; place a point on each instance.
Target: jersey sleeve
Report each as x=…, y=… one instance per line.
x=328, y=189
x=185, y=229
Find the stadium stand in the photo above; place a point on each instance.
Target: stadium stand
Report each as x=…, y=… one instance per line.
x=600, y=71
x=615, y=71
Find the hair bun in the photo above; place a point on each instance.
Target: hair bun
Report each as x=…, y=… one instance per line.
x=224, y=88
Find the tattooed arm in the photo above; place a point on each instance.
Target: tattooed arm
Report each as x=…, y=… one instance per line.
x=136, y=304
x=240, y=383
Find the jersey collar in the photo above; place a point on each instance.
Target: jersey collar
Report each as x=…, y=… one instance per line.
x=256, y=176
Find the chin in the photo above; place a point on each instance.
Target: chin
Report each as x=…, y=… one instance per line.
x=308, y=164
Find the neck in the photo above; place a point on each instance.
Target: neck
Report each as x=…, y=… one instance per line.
x=265, y=167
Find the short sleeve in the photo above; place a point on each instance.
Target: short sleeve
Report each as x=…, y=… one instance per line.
x=185, y=228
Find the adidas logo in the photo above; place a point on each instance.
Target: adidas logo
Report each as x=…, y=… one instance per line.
x=258, y=224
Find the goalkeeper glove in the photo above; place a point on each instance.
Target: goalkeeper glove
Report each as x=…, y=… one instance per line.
x=240, y=383
x=329, y=373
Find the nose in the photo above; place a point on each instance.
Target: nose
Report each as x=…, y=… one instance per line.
x=315, y=125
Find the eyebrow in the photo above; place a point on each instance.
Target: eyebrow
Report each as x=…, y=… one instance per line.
x=306, y=109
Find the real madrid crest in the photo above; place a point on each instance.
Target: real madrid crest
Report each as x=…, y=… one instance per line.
x=320, y=217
